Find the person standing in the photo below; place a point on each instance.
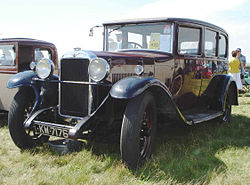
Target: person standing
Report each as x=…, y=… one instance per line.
x=234, y=69
x=242, y=59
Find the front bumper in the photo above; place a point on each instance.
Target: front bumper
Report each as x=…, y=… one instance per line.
x=63, y=127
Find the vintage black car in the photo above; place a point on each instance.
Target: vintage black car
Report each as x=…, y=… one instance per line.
x=16, y=54
x=151, y=72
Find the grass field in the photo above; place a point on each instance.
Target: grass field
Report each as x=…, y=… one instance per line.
x=209, y=153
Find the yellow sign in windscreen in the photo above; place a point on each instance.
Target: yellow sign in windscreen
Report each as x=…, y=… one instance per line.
x=154, y=42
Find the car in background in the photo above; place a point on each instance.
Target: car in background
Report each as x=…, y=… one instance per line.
x=150, y=72
x=246, y=78
x=16, y=54
x=246, y=75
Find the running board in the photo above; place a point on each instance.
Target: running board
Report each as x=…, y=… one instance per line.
x=202, y=117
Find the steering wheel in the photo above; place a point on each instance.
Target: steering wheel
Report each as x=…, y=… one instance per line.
x=134, y=45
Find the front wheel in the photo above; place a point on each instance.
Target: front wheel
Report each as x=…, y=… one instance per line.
x=138, y=130
x=20, y=109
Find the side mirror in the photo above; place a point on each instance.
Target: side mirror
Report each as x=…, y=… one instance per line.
x=91, y=31
x=33, y=66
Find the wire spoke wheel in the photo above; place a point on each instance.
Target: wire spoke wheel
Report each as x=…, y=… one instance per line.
x=20, y=110
x=27, y=110
x=227, y=112
x=145, y=132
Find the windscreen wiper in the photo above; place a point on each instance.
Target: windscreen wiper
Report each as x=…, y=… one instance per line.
x=117, y=28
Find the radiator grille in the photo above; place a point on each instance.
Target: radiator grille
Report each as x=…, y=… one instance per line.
x=118, y=76
x=74, y=97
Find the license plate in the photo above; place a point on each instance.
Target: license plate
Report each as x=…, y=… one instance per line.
x=52, y=131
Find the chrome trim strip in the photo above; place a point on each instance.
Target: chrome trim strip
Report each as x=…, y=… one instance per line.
x=90, y=98
x=80, y=83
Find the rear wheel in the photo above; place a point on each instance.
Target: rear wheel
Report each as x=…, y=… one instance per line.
x=20, y=109
x=138, y=130
x=225, y=118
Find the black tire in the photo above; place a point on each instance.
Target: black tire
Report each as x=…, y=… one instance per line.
x=138, y=130
x=225, y=118
x=20, y=108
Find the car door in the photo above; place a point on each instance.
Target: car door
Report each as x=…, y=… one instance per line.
x=215, y=59
x=189, y=54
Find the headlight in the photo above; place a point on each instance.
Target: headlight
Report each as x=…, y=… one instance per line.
x=98, y=69
x=44, y=68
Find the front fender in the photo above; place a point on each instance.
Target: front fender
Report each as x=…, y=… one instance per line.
x=132, y=86
x=25, y=79
x=21, y=79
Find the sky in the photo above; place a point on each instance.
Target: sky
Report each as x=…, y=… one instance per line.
x=66, y=23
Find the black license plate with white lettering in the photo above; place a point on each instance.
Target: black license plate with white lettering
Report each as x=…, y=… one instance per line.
x=52, y=131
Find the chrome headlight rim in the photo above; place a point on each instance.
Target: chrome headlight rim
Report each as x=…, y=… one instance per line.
x=103, y=73
x=44, y=68
x=139, y=70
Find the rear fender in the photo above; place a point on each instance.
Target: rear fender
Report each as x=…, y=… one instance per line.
x=229, y=88
x=217, y=90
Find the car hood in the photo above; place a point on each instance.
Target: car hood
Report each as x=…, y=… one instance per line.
x=133, y=56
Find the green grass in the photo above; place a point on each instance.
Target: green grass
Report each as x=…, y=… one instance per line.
x=209, y=153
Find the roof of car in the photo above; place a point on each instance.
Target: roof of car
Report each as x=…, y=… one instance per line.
x=27, y=41
x=163, y=19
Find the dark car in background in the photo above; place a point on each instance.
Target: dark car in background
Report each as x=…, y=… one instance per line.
x=151, y=72
x=16, y=54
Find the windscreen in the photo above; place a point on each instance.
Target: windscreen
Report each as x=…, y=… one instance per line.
x=139, y=36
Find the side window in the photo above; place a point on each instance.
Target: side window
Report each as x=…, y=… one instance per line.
x=189, y=41
x=7, y=55
x=42, y=53
x=210, y=43
x=222, y=46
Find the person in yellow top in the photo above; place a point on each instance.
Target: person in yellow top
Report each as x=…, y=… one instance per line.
x=234, y=70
